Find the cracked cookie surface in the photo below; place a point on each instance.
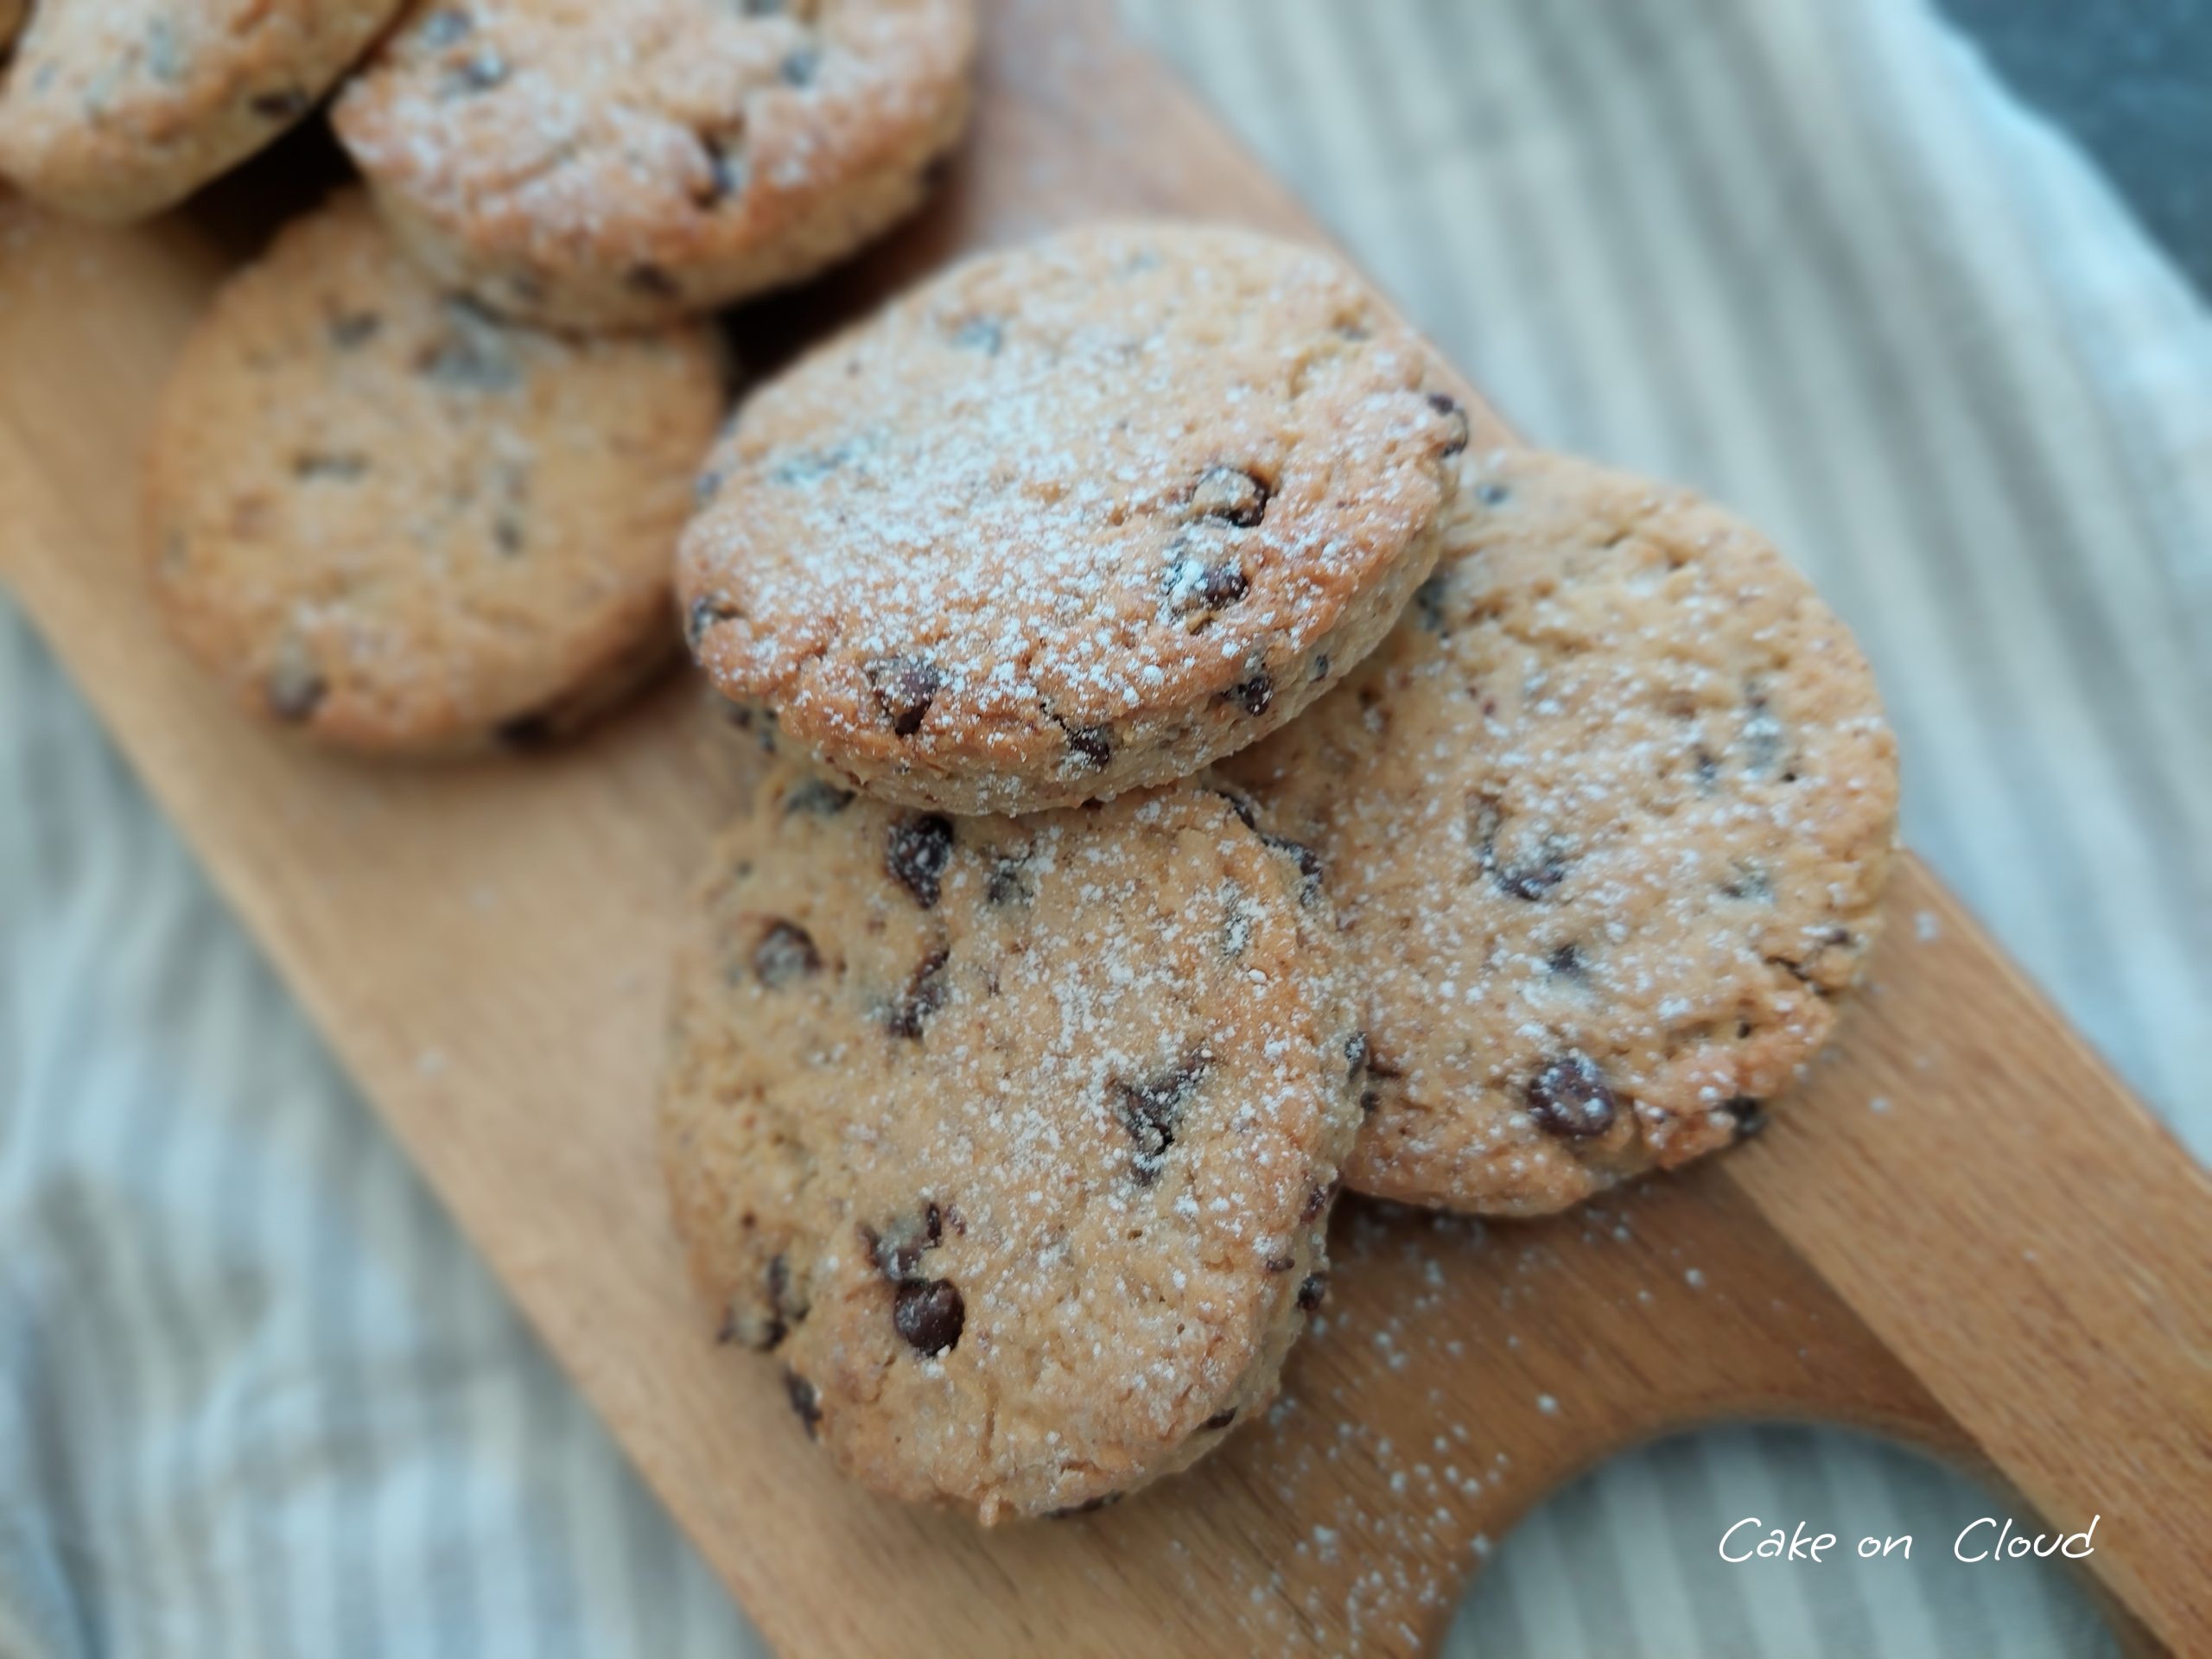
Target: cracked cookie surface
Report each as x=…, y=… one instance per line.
x=382, y=516
x=1073, y=518
x=115, y=109
x=1605, y=820
x=1012, y=1141
x=597, y=164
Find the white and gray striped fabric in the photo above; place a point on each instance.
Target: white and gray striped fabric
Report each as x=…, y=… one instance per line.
x=257, y=1398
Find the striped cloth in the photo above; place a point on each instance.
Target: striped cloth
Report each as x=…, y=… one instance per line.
x=256, y=1395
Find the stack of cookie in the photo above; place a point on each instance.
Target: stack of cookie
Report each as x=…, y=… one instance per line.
x=410, y=492
x=1198, y=780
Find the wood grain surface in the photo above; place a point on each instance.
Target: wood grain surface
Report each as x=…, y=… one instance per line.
x=2011, y=1264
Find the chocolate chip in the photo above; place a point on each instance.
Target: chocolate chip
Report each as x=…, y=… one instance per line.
x=473, y=355
x=507, y=534
x=445, y=26
x=1195, y=587
x=320, y=465
x=984, y=334
x=1569, y=1099
x=928, y=1314
x=288, y=105
x=1255, y=694
x=1451, y=409
x=1092, y=745
x=1356, y=1049
x=1313, y=1291
x=1750, y=883
x=766, y=1331
x=899, y=1249
x=1566, y=962
x=1280, y=1263
x=1708, y=771
x=905, y=687
x=1316, y=1201
x=1428, y=602
x=1009, y=883
x=784, y=1297
x=653, y=281
x=805, y=1401
x=295, y=689
x=817, y=795
x=920, y=847
x=1220, y=1418
x=479, y=72
x=923, y=996
x=802, y=68
x=785, y=953
x=1231, y=495
x=1241, y=806
x=705, y=611
x=1370, y=1101
x=1750, y=1115
x=353, y=329
x=1321, y=666
x=1308, y=861
x=1151, y=1110
x=727, y=171
x=1763, y=736
x=811, y=466
x=1535, y=877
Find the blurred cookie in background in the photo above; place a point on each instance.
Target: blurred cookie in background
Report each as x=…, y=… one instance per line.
x=117, y=109
x=606, y=163
x=384, y=517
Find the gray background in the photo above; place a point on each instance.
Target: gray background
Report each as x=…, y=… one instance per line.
x=2132, y=80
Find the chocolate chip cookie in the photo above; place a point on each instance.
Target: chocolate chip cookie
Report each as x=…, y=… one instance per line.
x=598, y=163
x=114, y=108
x=1606, y=819
x=1011, y=1140
x=382, y=516
x=1074, y=518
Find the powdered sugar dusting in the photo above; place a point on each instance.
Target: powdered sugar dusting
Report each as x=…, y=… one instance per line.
x=654, y=132
x=1130, y=476
x=1613, y=806
x=1087, y=1069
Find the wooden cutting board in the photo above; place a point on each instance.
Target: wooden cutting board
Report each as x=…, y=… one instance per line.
x=2011, y=1264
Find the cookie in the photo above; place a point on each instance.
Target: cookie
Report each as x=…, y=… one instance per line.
x=116, y=109
x=1011, y=1140
x=614, y=163
x=1606, y=819
x=1072, y=520
x=380, y=515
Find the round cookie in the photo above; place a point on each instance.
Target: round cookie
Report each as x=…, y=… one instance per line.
x=1013, y=1139
x=380, y=515
x=116, y=109
x=1606, y=820
x=612, y=164
x=1072, y=520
